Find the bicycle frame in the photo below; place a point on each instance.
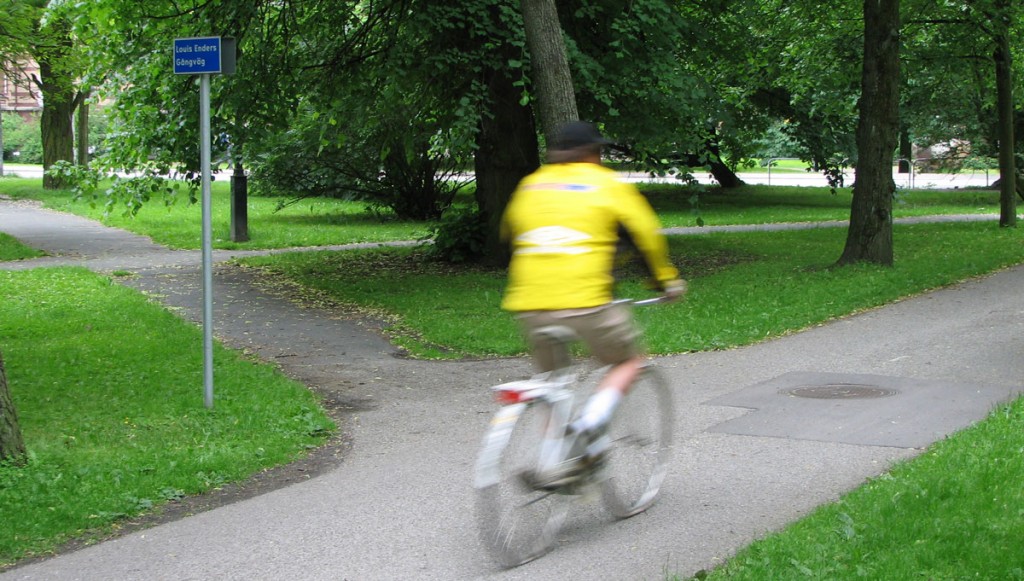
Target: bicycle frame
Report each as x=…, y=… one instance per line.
x=551, y=389
x=548, y=389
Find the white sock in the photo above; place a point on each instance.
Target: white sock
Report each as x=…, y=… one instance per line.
x=598, y=410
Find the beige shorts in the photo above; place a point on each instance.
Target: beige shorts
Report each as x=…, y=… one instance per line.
x=608, y=332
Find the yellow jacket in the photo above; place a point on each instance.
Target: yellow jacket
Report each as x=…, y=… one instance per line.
x=564, y=222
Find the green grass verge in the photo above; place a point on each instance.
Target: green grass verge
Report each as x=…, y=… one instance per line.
x=109, y=391
x=744, y=287
x=11, y=249
x=712, y=206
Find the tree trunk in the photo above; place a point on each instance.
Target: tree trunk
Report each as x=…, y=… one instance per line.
x=12, y=446
x=1004, y=98
x=506, y=153
x=82, y=134
x=724, y=175
x=721, y=172
x=549, y=67
x=870, y=234
x=56, y=82
x=55, y=124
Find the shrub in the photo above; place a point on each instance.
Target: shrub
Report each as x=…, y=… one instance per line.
x=459, y=237
x=388, y=165
x=22, y=137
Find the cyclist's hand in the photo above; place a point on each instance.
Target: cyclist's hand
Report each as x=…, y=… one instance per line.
x=675, y=290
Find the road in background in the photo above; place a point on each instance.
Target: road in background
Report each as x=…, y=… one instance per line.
x=967, y=179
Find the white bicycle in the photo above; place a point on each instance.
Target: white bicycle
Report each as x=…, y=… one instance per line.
x=520, y=522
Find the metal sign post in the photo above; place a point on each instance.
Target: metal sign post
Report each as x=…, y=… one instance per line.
x=202, y=56
x=204, y=163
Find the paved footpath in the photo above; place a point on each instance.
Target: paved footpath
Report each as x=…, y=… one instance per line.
x=753, y=454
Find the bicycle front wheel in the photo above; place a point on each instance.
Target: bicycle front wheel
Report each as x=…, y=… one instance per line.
x=517, y=522
x=641, y=434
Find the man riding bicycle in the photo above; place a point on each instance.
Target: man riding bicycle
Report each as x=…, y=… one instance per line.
x=565, y=222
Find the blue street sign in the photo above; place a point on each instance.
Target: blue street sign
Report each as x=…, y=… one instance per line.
x=195, y=56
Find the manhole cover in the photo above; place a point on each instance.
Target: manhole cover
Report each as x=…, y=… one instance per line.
x=840, y=391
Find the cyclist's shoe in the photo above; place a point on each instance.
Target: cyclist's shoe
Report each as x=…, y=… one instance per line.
x=598, y=442
x=588, y=453
x=559, y=476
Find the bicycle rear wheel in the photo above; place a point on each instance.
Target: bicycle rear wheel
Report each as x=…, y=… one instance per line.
x=517, y=523
x=641, y=434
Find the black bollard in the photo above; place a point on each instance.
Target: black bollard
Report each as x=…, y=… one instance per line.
x=239, y=208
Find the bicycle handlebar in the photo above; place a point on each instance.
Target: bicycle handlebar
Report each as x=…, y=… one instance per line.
x=651, y=301
x=642, y=302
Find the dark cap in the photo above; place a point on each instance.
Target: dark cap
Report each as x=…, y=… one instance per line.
x=577, y=134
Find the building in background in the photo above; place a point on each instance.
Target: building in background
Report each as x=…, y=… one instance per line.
x=18, y=92
x=20, y=96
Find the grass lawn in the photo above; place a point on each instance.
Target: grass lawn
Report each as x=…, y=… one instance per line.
x=776, y=204
x=320, y=222
x=109, y=391
x=317, y=222
x=441, y=312
x=11, y=249
x=954, y=512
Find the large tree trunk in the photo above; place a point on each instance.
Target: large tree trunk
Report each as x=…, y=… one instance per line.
x=58, y=133
x=506, y=153
x=56, y=81
x=722, y=173
x=12, y=446
x=549, y=67
x=870, y=235
x=1004, y=92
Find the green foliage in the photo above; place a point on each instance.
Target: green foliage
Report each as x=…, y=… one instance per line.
x=631, y=73
x=806, y=76
x=22, y=136
x=16, y=22
x=130, y=193
x=358, y=157
x=98, y=125
x=343, y=90
x=949, y=90
x=459, y=238
x=153, y=119
x=776, y=142
x=345, y=101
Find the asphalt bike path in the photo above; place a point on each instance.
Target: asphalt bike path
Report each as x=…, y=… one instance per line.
x=763, y=433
